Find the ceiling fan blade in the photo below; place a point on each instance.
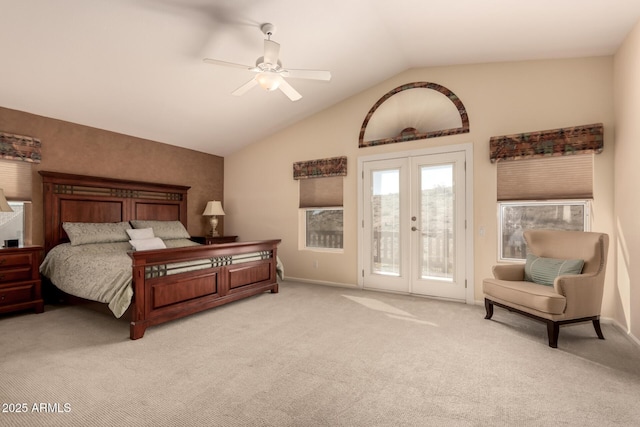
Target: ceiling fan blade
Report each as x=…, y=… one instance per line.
x=288, y=90
x=271, y=52
x=307, y=74
x=245, y=87
x=227, y=64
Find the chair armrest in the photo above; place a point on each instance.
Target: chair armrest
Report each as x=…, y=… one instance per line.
x=513, y=272
x=583, y=293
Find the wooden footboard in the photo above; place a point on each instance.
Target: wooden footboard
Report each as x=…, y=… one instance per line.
x=167, y=288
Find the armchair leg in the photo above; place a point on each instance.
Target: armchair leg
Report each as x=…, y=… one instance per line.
x=596, y=326
x=553, y=330
x=488, y=306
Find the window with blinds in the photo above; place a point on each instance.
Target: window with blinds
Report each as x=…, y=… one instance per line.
x=15, y=181
x=321, y=214
x=546, y=192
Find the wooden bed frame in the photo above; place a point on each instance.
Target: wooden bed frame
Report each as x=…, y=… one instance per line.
x=156, y=300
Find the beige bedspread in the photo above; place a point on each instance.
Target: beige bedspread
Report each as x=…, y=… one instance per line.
x=98, y=272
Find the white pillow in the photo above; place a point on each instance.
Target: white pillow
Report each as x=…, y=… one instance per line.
x=140, y=233
x=147, y=244
x=165, y=230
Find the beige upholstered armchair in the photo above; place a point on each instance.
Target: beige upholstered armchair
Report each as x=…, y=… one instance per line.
x=567, y=298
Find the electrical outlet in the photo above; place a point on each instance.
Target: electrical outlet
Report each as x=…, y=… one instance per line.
x=315, y=263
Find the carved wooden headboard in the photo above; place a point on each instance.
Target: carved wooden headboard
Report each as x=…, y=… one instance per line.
x=77, y=198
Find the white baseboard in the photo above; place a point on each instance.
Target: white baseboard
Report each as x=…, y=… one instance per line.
x=321, y=282
x=622, y=329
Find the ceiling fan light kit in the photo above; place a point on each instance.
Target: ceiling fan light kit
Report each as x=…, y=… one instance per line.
x=269, y=80
x=270, y=73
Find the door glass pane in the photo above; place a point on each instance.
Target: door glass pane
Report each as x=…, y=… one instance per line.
x=385, y=222
x=437, y=222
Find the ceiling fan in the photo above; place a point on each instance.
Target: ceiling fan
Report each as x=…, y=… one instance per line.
x=270, y=74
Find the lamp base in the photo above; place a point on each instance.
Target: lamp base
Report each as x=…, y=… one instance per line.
x=214, y=223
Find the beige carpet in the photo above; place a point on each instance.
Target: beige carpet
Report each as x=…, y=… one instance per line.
x=315, y=356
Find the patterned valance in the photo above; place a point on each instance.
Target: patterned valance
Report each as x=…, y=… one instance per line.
x=335, y=166
x=556, y=142
x=17, y=147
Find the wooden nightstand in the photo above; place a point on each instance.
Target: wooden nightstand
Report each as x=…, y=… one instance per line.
x=20, y=287
x=215, y=240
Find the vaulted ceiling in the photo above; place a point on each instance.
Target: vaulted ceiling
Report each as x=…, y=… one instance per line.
x=135, y=66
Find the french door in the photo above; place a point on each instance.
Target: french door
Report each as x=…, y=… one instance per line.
x=414, y=224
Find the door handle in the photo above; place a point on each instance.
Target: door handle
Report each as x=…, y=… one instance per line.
x=414, y=228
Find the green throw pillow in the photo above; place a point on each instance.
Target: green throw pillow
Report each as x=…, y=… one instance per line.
x=544, y=270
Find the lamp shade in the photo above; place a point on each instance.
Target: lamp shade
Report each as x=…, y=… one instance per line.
x=4, y=206
x=213, y=207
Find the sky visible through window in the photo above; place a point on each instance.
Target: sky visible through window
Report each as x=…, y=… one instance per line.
x=388, y=181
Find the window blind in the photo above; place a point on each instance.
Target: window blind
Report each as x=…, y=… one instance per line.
x=15, y=179
x=546, y=178
x=321, y=192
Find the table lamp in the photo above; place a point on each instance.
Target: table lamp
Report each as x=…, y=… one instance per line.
x=213, y=210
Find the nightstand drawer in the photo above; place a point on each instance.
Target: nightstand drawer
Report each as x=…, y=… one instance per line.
x=20, y=286
x=16, y=294
x=15, y=260
x=15, y=274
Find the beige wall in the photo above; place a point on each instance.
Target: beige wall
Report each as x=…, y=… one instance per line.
x=261, y=197
x=77, y=149
x=627, y=176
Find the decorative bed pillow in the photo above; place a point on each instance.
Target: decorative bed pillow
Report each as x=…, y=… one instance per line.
x=142, y=233
x=147, y=244
x=166, y=230
x=545, y=270
x=83, y=233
